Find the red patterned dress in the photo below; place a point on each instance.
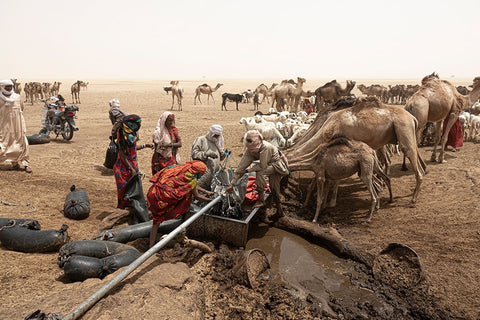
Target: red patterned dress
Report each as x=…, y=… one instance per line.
x=158, y=161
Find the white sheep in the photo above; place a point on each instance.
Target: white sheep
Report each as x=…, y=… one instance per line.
x=474, y=127
x=267, y=129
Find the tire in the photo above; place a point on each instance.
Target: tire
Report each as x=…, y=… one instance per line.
x=67, y=132
x=39, y=138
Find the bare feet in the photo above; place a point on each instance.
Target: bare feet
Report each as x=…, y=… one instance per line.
x=28, y=169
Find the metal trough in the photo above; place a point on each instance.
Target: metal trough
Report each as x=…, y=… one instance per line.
x=214, y=227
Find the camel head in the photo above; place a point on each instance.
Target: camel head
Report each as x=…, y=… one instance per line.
x=302, y=80
x=430, y=77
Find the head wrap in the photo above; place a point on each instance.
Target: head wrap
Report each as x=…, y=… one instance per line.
x=162, y=136
x=114, y=103
x=130, y=126
x=194, y=166
x=9, y=96
x=61, y=98
x=219, y=141
x=253, y=140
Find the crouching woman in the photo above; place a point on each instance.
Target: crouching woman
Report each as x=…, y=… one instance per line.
x=172, y=192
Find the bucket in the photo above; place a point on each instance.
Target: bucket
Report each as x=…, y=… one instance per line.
x=249, y=265
x=398, y=266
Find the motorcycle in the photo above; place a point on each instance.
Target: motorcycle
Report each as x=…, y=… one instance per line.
x=59, y=121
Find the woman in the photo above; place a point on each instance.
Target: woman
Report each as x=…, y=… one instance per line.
x=126, y=164
x=172, y=191
x=166, y=141
x=455, y=135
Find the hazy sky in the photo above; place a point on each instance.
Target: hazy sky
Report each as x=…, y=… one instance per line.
x=179, y=39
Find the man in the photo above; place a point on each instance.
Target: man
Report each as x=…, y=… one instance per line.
x=271, y=163
x=13, y=138
x=210, y=150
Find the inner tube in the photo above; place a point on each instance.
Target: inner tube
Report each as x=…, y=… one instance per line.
x=85, y=259
x=136, y=231
x=77, y=204
x=30, y=223
x=27, y=237
x=39, y=138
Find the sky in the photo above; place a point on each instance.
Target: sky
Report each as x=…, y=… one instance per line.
x=232, y=39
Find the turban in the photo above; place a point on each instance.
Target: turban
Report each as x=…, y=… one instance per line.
x=7, y=82
x=8, y=96
x=114, y=103
x=219, y=141
x=253, y=140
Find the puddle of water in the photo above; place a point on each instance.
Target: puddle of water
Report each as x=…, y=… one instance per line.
x=307, y=267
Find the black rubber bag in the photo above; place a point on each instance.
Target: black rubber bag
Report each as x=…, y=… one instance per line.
x=134, y=195
x=77, y=204
x=111, y=156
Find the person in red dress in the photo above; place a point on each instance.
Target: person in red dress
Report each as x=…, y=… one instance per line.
x=455, y=135
x=126, y=164
x=166, y=143
x=172, y=192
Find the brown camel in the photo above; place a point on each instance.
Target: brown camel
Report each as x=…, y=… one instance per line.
x=205, y=89
x=332, y=91
x=434, y=101
x=376, y=90
x=282, y=95
x=265, y=91
x=177, y=91
x=75, y=90
x=369, y=121
x=297, y=94
x=17, y=86
x=55, y=88
x=339, y=159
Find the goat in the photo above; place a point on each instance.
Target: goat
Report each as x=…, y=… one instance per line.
x=231, y=97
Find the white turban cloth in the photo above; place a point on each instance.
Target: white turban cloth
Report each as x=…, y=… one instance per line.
x=162, y=136
x=219, y=141
x=253, y=140
x=114, y=103
x=8, y=96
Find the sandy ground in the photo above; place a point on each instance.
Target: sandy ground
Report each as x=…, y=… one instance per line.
x=443, y=227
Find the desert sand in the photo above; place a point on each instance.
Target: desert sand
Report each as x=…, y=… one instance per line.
x=443, y=227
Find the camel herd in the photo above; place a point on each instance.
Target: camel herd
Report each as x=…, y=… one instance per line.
x=36, y=91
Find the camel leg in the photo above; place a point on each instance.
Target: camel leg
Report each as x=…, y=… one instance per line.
x=333, y=197
x=438, y=134
x=451, y=121
x=173, y=101
x=320, y=187
x=368, y=180
x=311, y=187
x=413, y=156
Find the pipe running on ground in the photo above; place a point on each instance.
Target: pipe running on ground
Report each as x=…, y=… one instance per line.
x=94, y=298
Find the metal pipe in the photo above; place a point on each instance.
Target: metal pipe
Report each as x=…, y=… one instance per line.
x=94, y=298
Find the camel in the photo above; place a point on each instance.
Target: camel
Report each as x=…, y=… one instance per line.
x=282, y=94
x=340, y=158
x=332, y=91
x=55, y=88
x=46, y=89
x=265, y=91
x=17, y=86
x=84, y=85
x=75, y=90
x=375, y=90
x=177, y=91
x=205, y=89
x=433, y=102
x=297, y=94
x=369, y=121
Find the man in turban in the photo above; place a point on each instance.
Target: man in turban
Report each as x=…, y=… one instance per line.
x=271, y=163
x=209, y=149
x=13, y=132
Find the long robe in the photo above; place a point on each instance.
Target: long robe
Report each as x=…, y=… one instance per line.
x=455, y=135
x=13, y=133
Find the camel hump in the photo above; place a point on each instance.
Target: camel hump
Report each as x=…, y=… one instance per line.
x=204, y=85
x=339, y=139
x=368, y=102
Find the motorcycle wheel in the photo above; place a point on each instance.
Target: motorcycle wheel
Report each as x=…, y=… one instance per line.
x=67, y=132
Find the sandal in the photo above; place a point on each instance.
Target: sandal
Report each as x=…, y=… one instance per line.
x=28, y=169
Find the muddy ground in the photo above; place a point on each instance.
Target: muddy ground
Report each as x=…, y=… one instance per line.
x=182, y=283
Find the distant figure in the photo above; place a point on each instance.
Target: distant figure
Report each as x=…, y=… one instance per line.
x=166, y=141
x=13, y=138
x=115, y=114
